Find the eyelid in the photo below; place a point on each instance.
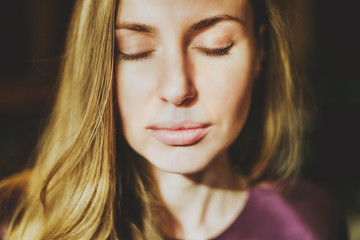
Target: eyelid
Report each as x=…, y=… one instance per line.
x=225, y=46
x=134, y=44
x=134, y=47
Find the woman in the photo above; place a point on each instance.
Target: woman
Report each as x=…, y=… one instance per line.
x=174, y=119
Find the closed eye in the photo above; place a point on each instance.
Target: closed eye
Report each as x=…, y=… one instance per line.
x=212, y=52
x=135, y=57
x=217, y=52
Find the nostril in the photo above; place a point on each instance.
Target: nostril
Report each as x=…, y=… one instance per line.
x=187, y=100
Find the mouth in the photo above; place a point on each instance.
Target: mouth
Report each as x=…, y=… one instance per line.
x=185, y=133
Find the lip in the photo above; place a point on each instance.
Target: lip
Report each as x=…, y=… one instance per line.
x=183, y=133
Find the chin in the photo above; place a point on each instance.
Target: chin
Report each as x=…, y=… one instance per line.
x=180, y=160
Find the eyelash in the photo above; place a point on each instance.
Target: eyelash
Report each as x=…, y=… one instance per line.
x=218, y=52
x=208, y=52
x=135, y=57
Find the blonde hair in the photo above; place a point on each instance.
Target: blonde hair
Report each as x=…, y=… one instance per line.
x=83, y=185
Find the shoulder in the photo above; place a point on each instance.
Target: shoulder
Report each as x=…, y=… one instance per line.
x=301, y=211
x=304, y=199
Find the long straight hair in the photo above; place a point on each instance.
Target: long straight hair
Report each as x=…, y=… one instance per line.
x=84, y=184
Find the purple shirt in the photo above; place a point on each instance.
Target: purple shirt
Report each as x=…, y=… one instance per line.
x=307, y=212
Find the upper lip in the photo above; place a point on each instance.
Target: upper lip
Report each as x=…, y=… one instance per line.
x=172, y=125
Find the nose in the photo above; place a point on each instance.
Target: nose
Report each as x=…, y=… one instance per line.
x=177, y=86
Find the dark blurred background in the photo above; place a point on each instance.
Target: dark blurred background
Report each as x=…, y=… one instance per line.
x=32, y=41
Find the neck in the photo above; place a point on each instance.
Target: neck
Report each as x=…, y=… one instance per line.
x=202, y=204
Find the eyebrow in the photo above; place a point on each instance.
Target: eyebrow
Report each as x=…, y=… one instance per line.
x=207, y=22
x=202, y=24
x=138, y=27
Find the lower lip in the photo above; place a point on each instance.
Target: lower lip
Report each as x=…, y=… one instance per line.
x=180, y=137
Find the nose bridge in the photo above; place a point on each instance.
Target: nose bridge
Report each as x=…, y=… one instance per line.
x=176, y=84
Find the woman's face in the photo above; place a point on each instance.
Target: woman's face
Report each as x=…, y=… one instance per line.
x=184, y=73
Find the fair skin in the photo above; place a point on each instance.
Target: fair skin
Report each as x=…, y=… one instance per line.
x=184, y=72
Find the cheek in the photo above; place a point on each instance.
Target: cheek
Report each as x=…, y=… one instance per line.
x=130, y=82
x=226, y=88
x=132, y=92
x=238, y=92
x=132, y=85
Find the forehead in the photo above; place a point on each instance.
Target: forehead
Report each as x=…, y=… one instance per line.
x=175, y=12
